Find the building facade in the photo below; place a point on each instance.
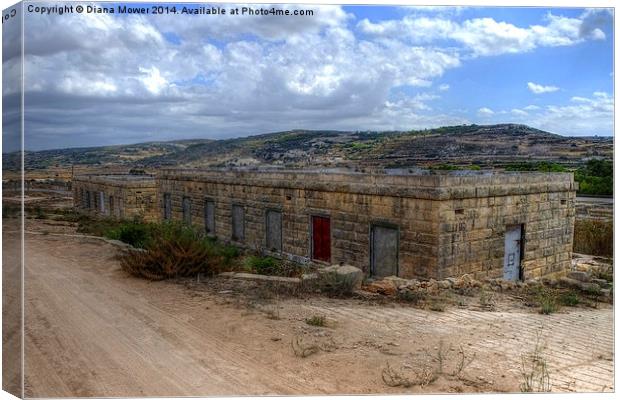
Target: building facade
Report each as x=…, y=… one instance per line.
x=425, y=225
x=122, y=196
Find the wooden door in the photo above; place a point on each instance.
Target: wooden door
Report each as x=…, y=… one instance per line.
x=321, y=239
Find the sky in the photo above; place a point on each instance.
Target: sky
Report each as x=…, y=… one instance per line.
x=99, y=79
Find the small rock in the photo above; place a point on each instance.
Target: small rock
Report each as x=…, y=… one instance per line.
x=579, y=276
x=381, y=287
x=444, y=284
x=347, y=272
x=396, y=281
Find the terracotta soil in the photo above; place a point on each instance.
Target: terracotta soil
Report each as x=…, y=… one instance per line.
x=92, y=330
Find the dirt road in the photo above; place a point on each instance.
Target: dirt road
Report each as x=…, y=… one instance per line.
x=91, y=330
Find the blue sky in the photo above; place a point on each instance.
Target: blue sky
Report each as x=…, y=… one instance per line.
x=105, y=78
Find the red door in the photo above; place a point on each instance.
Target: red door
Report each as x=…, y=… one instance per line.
x=321, y=239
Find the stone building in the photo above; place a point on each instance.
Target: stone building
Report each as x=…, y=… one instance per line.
x=116, y=195
x=423, y=225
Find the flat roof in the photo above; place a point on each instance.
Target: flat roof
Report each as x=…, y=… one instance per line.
x=417, y=183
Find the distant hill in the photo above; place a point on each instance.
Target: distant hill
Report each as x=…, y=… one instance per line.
x=484, y=145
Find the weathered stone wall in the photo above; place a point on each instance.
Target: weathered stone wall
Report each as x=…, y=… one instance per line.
x=125, y=196
x=353, y=203
x=447, y=224
x=473, y=224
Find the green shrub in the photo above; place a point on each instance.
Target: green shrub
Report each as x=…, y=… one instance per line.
x=569, y=299
x=547, y=301
x=316, y=320
x=174, y=250
x=596, y=178
x=262, y=265
x=412, y=296
x=135, y=234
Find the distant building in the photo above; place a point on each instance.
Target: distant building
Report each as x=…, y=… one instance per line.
x=116, y=195
x=424, y=225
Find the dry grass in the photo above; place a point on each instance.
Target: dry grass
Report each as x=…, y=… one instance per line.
x=442, y=363
x=534, y=370
x=594, y=237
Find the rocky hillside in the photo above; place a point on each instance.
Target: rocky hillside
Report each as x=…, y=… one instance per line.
x=486, y=146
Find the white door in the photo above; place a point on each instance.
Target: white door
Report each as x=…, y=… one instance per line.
x=512, y=253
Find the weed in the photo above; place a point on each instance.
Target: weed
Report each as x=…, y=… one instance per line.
x=301, y=349
x=594, y=237
x=316, y=320
x=463, y=362
x=592, y=290
x=547, y=301
x=421, y=377
x=569, y=299
x=412, y=296
x=534, y=369
x=487, y=299
x=262, y=265
x=271, y=266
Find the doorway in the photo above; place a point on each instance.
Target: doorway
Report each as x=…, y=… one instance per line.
x=384, y=251
x=321, y=238
x=512, y=252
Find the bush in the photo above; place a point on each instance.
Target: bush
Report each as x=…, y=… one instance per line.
x=596, y=178
x=262, y=265
x=175, y=250
x=594, y=237
x=316, y=320
x=135, y=234
x=547, y=301
x=569, y=299
x=334, y=284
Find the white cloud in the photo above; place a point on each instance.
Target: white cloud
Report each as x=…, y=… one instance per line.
x=583, y=116
x=540, y=89
x=518, y=112
x=487, y=37
x=235, y=76
x=152, y=80
x=531, y=107
x=485, y=112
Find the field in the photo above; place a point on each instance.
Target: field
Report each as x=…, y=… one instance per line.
x=93, y=330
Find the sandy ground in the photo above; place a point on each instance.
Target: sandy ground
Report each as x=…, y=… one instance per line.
x=92, y=330
x=11, y=308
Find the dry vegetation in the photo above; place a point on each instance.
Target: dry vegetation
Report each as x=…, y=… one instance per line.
x=595, y=237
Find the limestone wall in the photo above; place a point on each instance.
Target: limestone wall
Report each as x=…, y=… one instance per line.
x=447, y=224
x=473, y=224
x=353, y=203
x=124, y=196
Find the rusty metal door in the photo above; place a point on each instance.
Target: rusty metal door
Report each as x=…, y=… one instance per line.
x=209, y=217
x=384, y=251
x=274, y=230
x=321, y=239
x=512, y=253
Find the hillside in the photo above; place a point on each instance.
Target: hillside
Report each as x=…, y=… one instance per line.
x=490, y=145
